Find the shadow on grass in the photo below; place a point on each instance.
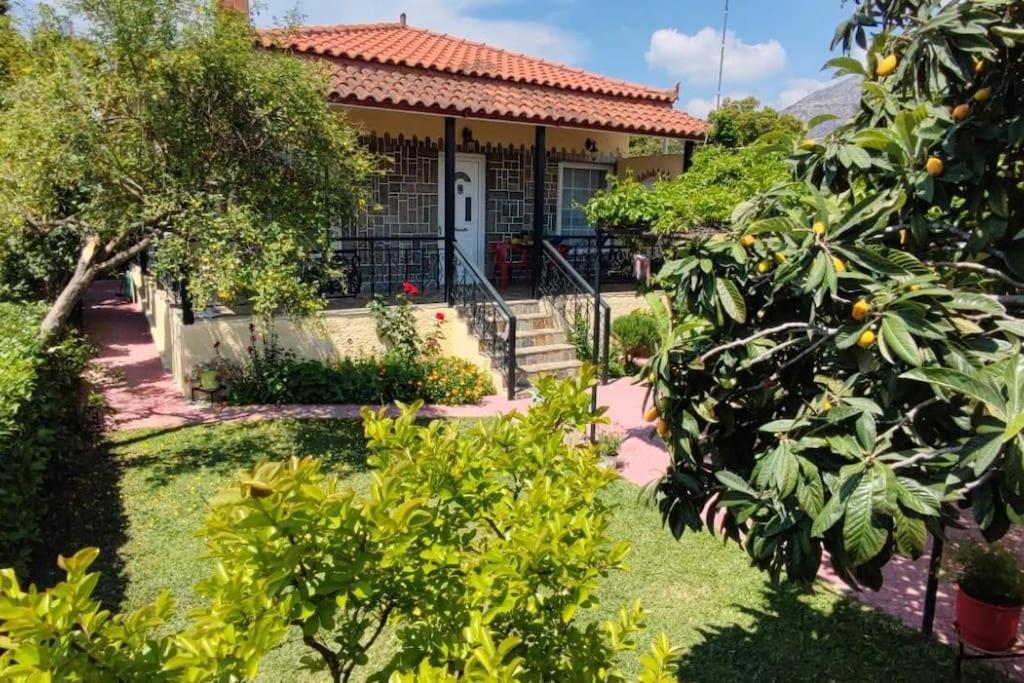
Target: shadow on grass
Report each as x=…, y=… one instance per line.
x=85, y=511
x=224, y=448
x=788, y=640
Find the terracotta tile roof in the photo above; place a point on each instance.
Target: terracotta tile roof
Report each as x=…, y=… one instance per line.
x=401, y=67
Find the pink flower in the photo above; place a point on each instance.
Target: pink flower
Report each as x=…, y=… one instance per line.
x=439, y=315
x=410, y=289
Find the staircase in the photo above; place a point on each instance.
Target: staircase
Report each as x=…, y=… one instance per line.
x=541, y=344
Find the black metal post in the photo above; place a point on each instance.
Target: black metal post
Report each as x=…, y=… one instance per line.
x=188, y=316
x=449, y=209
x=932, y=588
x=596, y=351
x=540, y=164
x=688, y=154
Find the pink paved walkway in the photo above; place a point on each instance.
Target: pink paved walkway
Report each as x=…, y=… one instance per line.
x=141, y=393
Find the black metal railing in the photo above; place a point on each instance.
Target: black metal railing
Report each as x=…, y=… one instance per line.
x=617, y=256
x=367, y=266
x=573, y=299
x=488, y=316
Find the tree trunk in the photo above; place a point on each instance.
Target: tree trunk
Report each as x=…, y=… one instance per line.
x=62, y=308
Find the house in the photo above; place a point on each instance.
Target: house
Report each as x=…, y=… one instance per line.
x=488, y=156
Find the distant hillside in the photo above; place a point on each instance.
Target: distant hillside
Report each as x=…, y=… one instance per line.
x=840, y=98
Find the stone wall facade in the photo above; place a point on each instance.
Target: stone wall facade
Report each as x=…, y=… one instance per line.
x=404, y=198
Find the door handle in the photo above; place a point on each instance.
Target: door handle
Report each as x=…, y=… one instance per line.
x=461, y=229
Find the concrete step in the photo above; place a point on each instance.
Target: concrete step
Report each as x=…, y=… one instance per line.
x=530, y=321
x=546, y=353
x=525, y=306
x=559, y=369
x=539, y=337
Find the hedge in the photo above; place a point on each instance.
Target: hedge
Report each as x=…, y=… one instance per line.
x=41, y=418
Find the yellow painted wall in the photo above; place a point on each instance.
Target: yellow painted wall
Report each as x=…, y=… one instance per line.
x=333, y=335
x=394, y=123
x=642, y=168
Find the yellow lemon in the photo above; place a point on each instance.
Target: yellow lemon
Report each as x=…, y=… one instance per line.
x=860, y=310
x=838, y=263
x=887, y=66
x=651, y=415
x=983, y=95
x=818, y=228
x=826, y=406
x=780, y=258
x=866, y=339
x=934, y=166
x=764, y=266
x=748, y=241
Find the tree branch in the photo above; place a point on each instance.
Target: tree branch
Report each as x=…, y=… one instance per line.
x=922, y=457
x=757, y=335
x=977, y=268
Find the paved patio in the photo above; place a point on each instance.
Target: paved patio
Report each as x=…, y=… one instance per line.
x=140, y=393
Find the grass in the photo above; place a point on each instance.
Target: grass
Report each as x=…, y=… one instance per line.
x=731, y=623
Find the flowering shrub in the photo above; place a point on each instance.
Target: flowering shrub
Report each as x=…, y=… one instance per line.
x=275, y=375
x=454, y=381
x=396, y=324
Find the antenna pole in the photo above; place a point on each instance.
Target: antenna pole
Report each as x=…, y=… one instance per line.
x=721, y=56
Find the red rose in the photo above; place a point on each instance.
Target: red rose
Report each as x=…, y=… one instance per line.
x=410, y=289
x=439, y=315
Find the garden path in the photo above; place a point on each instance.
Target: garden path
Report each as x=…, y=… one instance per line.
x=140, y=393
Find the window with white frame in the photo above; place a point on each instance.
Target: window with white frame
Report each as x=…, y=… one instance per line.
x=577, y=183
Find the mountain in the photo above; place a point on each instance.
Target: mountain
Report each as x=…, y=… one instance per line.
x=841, y=98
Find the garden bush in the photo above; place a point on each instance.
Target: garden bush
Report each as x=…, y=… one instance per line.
x=480, y=553
x=42, y=419
x=637, y=334
x=275, y=375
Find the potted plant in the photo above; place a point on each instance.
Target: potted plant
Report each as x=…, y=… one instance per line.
x=210, y=376
x=989, y=597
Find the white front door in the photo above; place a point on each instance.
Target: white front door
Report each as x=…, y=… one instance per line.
x=469, y=205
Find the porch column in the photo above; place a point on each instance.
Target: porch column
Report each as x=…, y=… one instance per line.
x=540, y=164
x=449, y=209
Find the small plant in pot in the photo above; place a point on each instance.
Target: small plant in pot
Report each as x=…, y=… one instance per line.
x=989, y=597
x=211, y=375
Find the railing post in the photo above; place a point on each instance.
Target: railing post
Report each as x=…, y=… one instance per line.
x=449, y=209
x=596, y=352
x=540, y=164
x=511, y=379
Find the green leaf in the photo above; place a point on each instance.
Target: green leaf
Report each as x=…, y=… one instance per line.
x=861, y=535
x=910, y=534
x=731, y=299
x=899, y=340
x=916, y=497
x=828, y=517
x=961, y=384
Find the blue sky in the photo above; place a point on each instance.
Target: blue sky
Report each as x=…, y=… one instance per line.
x=775, y=47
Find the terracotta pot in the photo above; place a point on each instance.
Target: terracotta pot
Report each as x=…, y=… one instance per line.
x=988, y=627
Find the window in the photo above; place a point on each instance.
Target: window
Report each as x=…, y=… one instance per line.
x=577, y=183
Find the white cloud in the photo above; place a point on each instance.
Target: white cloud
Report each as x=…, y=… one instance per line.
x=696, y=57
x=461, y=18
x=799, y=88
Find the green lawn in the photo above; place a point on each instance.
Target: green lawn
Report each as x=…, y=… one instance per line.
x=147, y=496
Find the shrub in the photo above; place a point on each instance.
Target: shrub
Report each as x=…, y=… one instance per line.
x=637, y=334
x=41, y=417
x=275, y=375
x=481, y=550
x=396, y=324
x=992, y=574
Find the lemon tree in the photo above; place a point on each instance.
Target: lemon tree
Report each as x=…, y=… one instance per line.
x=862, y=384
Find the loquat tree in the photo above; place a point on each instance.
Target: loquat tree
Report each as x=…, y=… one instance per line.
x=855, y=379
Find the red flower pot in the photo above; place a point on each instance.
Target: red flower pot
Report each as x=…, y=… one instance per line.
x=988, y=627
